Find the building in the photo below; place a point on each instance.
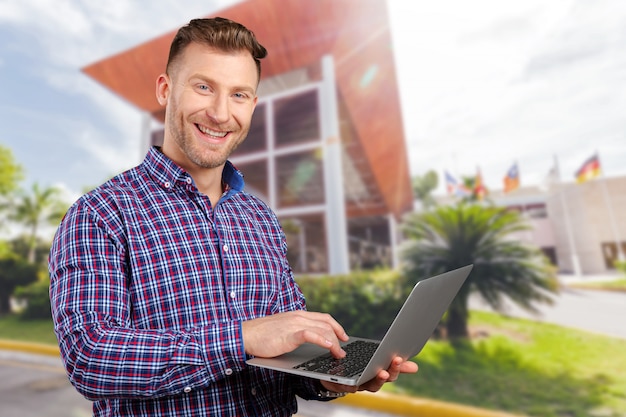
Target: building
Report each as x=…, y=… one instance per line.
x=579, y=227
x=589, y=223
x=326, y=149
x=532, y=204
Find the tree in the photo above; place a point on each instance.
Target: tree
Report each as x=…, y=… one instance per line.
x=477, y=189
x=41, y=207
x=11, y=173
x=450, y=237
x=22, y=246
x=423, y=186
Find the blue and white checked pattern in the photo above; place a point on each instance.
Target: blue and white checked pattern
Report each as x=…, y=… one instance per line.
x=149, y=286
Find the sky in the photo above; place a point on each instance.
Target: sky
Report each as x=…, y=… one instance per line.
x=483, y=84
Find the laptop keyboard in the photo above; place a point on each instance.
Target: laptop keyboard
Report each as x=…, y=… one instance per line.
x=358, y=354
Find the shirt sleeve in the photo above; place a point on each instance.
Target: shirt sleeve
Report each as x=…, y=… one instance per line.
x=104, y=355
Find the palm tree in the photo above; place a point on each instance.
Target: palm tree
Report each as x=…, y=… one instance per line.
x=450, y=237
x=41, y=207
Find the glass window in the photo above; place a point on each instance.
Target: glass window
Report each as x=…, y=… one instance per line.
x=306, y=243
x=257, y=137
x=255, y=177
x=296, y=119
x=300, y=179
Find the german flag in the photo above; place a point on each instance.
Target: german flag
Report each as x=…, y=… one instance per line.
x=589, y=169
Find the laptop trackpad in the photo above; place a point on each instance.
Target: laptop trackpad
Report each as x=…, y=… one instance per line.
x=302, y=354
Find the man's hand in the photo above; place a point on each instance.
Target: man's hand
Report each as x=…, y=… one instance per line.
x=398, y=366
x=270, y=336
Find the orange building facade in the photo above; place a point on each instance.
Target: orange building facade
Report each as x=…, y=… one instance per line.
x=326, y=148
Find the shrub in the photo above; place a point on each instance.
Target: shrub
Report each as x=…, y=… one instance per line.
x=365, y=303
x=37, y=300
x=14, y=271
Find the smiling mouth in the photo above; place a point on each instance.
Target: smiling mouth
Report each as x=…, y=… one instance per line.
x=210, y=132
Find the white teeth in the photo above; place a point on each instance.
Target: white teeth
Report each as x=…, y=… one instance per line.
x=212, y=132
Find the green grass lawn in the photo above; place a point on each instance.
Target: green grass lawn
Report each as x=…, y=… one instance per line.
x=38, y=331
x=525, y=367
x=615, y=285
x=513, y=365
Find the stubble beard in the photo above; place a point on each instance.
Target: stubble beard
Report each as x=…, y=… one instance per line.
x=205, y=155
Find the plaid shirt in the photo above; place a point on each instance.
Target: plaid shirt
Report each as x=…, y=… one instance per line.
x=149, y=286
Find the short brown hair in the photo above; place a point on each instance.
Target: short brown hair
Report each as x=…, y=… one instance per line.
x=220, y=33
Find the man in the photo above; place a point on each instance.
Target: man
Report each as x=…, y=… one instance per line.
x=165, y=279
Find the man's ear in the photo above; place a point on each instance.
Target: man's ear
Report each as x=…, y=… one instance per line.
x=162, y=89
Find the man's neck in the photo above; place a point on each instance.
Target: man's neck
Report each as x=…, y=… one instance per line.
x=209, y=182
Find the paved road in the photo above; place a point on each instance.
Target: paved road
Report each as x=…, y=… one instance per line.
x=37, y=386
x=594, y=311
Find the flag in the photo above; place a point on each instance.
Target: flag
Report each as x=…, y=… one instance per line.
x=551, y=178
x=589, y=169
x=480, y=191
x=454, y=187
x=511, y=179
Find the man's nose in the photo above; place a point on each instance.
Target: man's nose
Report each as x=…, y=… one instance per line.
x=218, y=109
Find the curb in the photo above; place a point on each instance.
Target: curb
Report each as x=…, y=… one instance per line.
x=27, y=347
x=403, y=405
x=400, y=405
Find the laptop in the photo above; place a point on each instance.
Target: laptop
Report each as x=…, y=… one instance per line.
x=407, y=335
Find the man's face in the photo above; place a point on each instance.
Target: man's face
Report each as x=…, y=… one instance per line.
x=209, y=97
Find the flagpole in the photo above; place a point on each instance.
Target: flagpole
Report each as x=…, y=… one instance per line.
x=609, y=205
x=568, y=226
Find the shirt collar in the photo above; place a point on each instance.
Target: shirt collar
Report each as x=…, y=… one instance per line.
x=232, y=177
x=169, y=175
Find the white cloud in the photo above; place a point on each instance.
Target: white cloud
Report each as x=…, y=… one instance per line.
x=112, y=157
x=73, y=33
x=490, y=82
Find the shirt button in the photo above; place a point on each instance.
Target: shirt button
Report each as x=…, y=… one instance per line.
x=225, y=248
x=188, y=180
x=229, y=371
x=233, y=295
x=167, y=184
x=253, y=392
x=187, y=390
